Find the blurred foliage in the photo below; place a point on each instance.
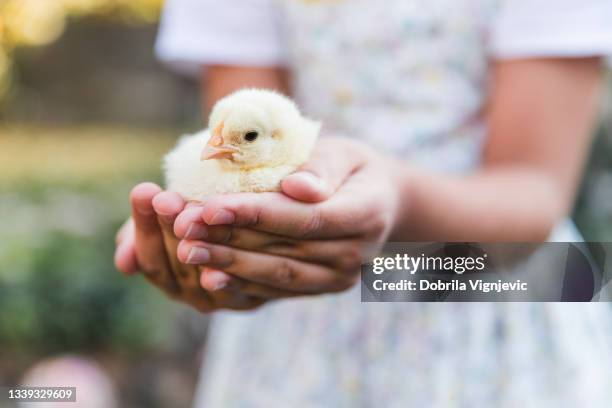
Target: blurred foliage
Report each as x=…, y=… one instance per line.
x=60, y=205
x=78, y=156
x=40, y=22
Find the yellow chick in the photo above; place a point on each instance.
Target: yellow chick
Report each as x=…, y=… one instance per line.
x=258, y=137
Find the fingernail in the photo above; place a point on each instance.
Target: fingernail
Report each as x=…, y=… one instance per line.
x=222, y=217
x=198, y=255
x=315, y=181
x=218, y=281
x=196, y=231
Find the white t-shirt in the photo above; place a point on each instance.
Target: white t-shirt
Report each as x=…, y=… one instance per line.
x=411, y=78
x=249, y=32
x=414, y=71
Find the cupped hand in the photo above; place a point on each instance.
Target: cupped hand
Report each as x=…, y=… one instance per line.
x=147, y=243
x=333, y=215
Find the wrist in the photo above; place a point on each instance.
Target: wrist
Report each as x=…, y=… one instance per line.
x=402, y=177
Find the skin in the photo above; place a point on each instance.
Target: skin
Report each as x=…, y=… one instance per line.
x=311, y=238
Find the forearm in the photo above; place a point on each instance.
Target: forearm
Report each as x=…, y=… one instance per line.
x=221, y=80
x=492, y=205
x=540, y=118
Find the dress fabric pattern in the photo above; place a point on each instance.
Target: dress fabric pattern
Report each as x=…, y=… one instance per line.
x=409, y=77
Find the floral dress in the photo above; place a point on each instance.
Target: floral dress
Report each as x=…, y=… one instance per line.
x=411, y=78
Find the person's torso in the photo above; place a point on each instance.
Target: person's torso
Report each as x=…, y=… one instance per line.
x=406, y=76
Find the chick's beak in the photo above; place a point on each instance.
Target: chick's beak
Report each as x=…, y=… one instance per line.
x=211, y=152
x=215, y=149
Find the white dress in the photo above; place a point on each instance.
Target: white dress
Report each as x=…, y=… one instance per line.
x=409, y=77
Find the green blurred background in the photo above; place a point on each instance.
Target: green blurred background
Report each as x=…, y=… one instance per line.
x=86, y=113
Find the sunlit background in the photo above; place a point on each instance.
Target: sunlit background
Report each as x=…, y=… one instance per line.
x=86, y=113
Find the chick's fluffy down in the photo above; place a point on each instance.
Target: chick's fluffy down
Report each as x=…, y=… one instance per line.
x=283, y=142
x=195, y=180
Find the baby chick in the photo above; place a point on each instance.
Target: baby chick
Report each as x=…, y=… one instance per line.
x=255, y=138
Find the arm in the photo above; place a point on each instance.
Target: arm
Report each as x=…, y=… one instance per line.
x=541, y=119
x=220, y=80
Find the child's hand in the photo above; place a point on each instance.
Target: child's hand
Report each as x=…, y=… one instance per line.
x=146, y=242
x=262, y=246
x=298, y=246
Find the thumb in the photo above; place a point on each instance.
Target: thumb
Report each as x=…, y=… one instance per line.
x=331, y=163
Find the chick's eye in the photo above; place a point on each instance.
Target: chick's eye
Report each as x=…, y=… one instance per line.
x=251, y=136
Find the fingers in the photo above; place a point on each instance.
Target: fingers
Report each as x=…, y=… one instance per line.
x=358, y=208
x=349, y=213
x=143, y=214
x=125, y=259
x=278, y=272
x=271, y=212
x=125, y=253
x=342, y=254
x=305, y=185
x=189, y=224
x=168, y=205
x=216, y=280
x=331, y=162
x=127, y=226
x=149, y=242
